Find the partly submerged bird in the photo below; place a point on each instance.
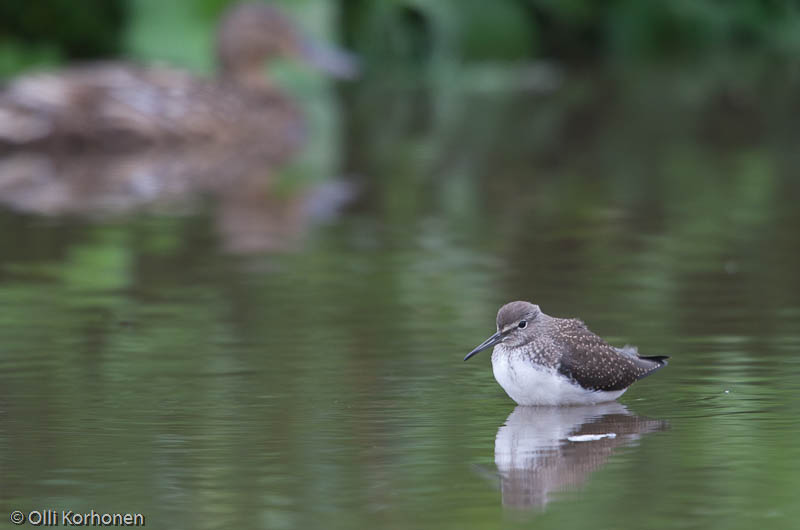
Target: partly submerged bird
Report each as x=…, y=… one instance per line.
x=122, y=105
x=543, y=360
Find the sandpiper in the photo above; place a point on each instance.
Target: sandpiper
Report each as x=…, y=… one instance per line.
x=543, y=360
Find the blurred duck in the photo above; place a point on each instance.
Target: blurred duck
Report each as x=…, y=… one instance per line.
x=112, y=105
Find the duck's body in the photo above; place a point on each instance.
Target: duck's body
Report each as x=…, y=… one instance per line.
x=125, y=105
x=543, y=360
x=122, y=105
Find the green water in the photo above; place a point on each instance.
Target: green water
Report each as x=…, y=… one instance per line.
x=144, y=367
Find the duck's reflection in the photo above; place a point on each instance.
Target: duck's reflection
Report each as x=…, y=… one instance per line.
x=540, y=451
x=251, y=215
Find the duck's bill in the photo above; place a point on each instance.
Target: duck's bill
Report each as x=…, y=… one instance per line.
x=488, y=343
x=332, y=61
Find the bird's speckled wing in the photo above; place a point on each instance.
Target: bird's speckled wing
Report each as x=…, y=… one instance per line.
x=593, y=363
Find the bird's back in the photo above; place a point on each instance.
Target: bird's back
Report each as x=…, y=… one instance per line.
x=593, y=363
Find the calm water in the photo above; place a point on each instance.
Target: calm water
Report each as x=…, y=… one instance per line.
x=145, y=367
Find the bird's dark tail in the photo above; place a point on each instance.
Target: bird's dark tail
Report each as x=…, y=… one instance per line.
x=660, y=359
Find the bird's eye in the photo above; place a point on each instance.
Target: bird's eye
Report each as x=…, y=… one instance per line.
x=522, y=324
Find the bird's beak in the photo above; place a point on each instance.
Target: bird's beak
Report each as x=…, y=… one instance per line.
x=330, y=60
x=488, y=343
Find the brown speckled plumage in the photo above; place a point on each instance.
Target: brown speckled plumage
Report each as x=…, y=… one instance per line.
x=593, y=363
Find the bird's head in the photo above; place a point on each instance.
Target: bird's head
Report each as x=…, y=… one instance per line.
x=251, y=34
x=515, y=323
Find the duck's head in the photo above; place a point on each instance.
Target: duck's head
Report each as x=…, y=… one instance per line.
x=252, y=33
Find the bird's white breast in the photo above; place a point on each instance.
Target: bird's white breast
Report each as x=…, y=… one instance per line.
x=530, y=384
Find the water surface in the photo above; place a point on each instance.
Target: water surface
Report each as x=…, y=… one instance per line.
x=146, y=367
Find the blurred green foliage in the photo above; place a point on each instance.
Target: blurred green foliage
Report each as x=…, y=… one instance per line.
x=573, y=29
x=40, y=32
x=418, y=31
x=421, y=31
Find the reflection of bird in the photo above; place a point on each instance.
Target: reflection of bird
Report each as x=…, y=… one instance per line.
x=542, y=360
x=249, y=215
x=543, y=450
x=251, y=221
x=120, y=105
